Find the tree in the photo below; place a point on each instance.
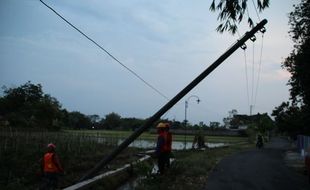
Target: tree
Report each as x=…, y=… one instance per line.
x=232, y=12
x=294, y=116
x=112, y=121
x=28, y=106
x=228, y=120
x=265, y=124
x=298, y=61
x=214, y=125
x=177, y=124
x=78, y=120
x=131, y=123
x=290, y=119
x=94, y=119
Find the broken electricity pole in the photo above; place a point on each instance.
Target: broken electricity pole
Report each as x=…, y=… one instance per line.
x=173, y=101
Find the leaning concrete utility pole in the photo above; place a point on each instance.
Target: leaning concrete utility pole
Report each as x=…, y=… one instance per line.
x=173, y=101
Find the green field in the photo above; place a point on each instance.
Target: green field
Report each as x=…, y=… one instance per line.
x=20, y=152
x=149, y=136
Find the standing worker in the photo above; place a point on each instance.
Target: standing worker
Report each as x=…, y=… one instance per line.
x=51, y=168
x=162, y=148
x=169, y=144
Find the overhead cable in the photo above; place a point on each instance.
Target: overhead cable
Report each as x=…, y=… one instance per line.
x=246, y=76
x=259, y=68
x=256, y=85
x=253, y=68
x=256, y=10
x=244, y=47
x=107, y=52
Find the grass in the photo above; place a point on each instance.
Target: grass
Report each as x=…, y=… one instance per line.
x=79, y=151
x=20, y=152
x=190, y=170
x=149, y=136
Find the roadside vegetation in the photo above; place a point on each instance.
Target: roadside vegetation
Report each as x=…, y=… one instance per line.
x=20, y=152
x=190, y=170
x=293, y=116
x=79, y=151
x=153, y=136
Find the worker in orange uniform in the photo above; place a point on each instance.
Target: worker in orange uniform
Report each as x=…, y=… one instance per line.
x=169, y=144
x=162, y=148
x=51, y=168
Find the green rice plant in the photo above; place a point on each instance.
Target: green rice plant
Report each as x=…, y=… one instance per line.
x=21, y=151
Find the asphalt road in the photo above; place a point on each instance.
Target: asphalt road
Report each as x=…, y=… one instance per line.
x=255, y=169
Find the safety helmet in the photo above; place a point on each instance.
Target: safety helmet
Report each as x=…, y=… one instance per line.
x=51, y=145
x=167, y=125
x=161, y=125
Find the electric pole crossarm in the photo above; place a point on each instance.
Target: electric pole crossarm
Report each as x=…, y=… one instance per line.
x=173, y=101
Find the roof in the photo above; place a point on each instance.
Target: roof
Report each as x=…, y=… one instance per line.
x=249, y=119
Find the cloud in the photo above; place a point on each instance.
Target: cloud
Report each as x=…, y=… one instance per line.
x=277, y=75
x=168, y=43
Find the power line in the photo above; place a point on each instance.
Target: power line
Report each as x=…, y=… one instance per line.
x=114, y=58
x=246, y=69
x=252, y=100
x=252, y=84
x=246, y=76
x=256, y=10
x=253, y=65
x=259, y=68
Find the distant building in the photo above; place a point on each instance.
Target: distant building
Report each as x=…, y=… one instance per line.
x=244, y=121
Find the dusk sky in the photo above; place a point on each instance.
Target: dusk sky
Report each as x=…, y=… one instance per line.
x=166, y=42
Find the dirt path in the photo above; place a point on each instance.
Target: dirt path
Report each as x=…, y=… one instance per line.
x=257, y=169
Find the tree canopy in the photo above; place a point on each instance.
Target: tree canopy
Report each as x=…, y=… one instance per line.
x=233, y=12
x=28, y=106
x=298, y=61
x=293, y=116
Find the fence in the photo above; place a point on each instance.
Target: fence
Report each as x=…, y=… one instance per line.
x=21, y=150
x=303, y=143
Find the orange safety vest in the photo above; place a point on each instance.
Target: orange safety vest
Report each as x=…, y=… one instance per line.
x=49, y=163
x=169, y=142
x=166, y=147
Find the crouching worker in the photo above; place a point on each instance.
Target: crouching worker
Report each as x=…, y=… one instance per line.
x=51, y=168
x=163, y=148
x=199, y=139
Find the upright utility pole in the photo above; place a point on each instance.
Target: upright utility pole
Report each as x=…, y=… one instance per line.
x=173, y=101
x=185, y=124
x=251, y=109
x=185, y=116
